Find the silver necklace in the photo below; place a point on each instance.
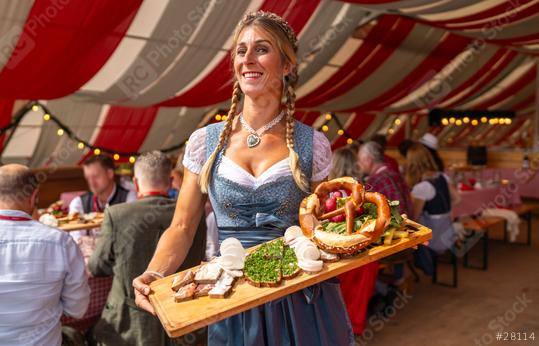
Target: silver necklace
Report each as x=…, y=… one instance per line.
x=254, y=136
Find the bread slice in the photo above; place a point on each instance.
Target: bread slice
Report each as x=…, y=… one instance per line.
x=186, y=292
x=182, y=279
x=289, y=265
x=261, y=271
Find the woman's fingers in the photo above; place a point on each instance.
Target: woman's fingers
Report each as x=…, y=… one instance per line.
x=141, y=288
x=142, y=302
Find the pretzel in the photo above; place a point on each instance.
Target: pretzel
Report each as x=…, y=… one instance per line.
x=311, y=218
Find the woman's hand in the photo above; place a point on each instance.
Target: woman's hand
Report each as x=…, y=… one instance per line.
x=142, y=290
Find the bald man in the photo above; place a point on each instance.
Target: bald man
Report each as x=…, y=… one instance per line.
x=42, y=272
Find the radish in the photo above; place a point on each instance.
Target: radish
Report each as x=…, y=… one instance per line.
x=331, y=204
x=338, y=218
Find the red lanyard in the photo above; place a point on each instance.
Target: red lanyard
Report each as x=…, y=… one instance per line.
x=14, y=218
x=96, y=205
x=155, y=193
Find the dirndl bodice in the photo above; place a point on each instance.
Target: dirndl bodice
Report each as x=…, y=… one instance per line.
x=313, y=316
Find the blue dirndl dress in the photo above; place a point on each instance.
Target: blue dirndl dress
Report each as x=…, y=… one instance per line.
x=313, y=316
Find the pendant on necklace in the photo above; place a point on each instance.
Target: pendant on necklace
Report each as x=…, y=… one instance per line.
x=253, y=140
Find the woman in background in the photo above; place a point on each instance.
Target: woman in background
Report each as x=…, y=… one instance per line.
x=343, y=164
x=431, y=199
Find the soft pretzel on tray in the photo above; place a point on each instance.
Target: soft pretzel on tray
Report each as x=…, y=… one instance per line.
x=311, y=216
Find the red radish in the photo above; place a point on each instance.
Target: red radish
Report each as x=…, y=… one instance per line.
x=331, y=204
x=337, y=194
x=359, y=210
x=338, y=218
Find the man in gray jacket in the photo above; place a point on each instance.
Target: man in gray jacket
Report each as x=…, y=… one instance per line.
x=130, y=233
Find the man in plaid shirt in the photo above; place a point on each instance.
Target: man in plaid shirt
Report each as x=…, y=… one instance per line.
x=383, y=179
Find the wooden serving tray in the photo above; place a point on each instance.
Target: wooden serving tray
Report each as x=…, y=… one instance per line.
x=76, y=225
x=184, y=317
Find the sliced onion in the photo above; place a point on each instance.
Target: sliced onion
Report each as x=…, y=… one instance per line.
x=292, y=233
x=311, y=266
x=232, y=262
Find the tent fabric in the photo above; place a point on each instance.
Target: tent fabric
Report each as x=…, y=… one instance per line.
x=65, y=44
x=160, y=69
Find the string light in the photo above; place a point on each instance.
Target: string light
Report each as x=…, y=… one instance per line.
x=508, y=121
x=390, y=131
x=484, y=120
x=475, y=122
x=132, y=159
x=224, y=117
x=328, y=116
x=65, y=130
x=501, y=121
x=340, y=132
x=465, y=120
x=349, y=141
x=218, y=117
x=445, y=122
x=451, y=120
x=325, y=128
x=116, y=157
x=458, y=122
x=397, y=121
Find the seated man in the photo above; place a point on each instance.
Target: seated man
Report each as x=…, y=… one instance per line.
x=99, y=174
x=381, y=178
x=42, y=273
x=129, y=236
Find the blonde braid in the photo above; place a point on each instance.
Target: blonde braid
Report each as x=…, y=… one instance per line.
x=293, y=158
x=205, y=173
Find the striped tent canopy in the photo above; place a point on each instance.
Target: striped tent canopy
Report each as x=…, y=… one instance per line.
x=130, y=76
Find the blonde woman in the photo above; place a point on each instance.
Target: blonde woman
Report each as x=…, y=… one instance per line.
x=255, y=168
x=431, y=196
x=344, y=164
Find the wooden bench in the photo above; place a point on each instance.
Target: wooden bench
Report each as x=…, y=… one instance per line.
x=442, y=259
x=479, y=225
x=525, y=211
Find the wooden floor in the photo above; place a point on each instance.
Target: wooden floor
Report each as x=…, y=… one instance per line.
x=505, y=297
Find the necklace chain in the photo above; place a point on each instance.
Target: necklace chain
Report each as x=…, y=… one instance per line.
x=264, y=128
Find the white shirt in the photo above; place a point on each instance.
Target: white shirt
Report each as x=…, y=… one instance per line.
x=76, y=206
x=76, y=203
x=42, y=275
x=195, y=157
x=425, y=190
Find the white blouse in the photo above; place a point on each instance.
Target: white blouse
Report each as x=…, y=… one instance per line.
x=195, y=157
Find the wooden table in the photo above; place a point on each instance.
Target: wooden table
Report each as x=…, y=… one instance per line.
x=181, y=318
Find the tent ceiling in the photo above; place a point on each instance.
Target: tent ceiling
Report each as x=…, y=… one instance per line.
x=148, y=75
